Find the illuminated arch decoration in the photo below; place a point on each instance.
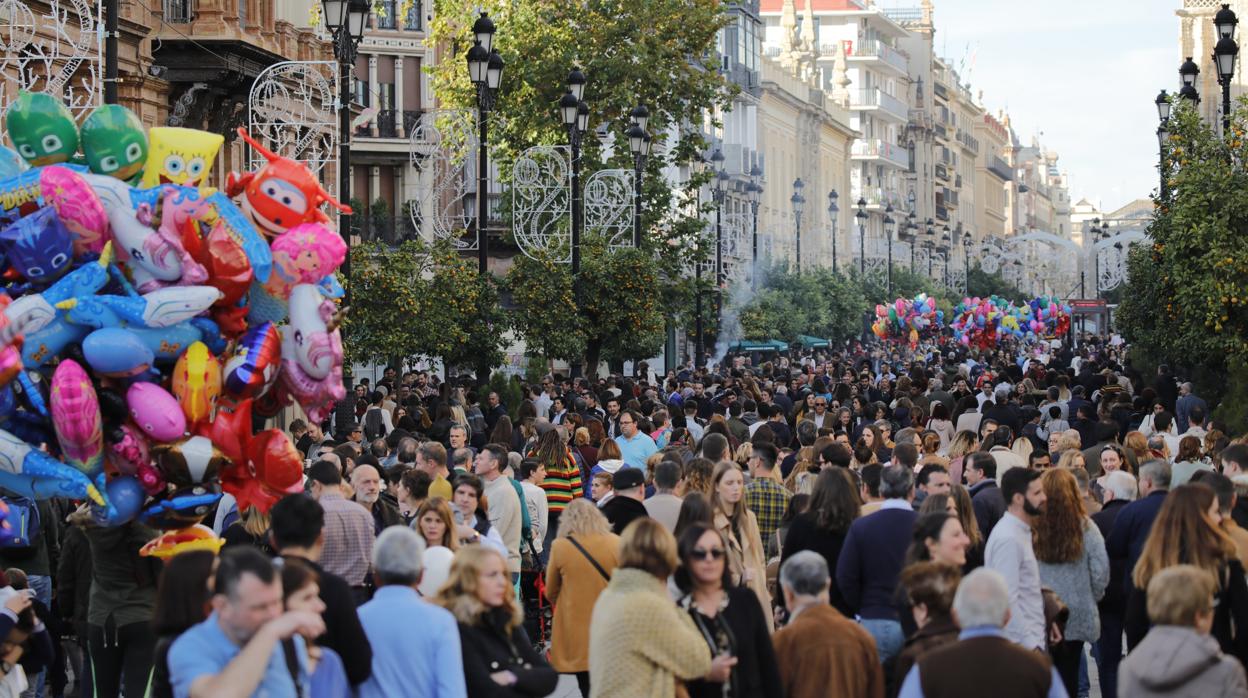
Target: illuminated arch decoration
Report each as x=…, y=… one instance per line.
x=541, y=198
x=441, y=146
x=58, y=51
x=293, y=109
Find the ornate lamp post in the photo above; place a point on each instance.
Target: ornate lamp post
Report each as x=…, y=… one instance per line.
x=1224, y=53
x=1187, y=75
x=754, y=191
x=967, y=243
x=485, y=70
x=833, y=209
x=888, y=233
x=862, y=236
x=799, y=203
x=719, y=192
x=345, y=21
x=1163, y=136
x=639, y=144
x=946, y=244
x=575, y=115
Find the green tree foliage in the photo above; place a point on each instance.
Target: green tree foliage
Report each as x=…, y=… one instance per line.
x=620, y=313
x=545, y=314
x=422, y=301
x=1186, y=301
x=815, y=302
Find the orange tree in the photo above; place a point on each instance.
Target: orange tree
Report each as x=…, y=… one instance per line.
x=422, y=300
x=1186, y=299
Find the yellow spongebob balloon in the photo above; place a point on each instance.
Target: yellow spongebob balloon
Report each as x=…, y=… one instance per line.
x=180, y=156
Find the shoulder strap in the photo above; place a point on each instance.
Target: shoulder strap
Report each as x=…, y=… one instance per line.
x=589, y=557
x=292, y=665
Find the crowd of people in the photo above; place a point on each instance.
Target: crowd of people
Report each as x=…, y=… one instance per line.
x=868, y=521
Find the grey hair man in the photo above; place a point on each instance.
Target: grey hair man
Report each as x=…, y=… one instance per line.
x=981, y=607
x=428, y=663
x=821, y=636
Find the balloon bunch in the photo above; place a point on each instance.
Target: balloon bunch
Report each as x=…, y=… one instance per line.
x=1047, y=316
x=906, y=320
x=146, y=319
x=980, y=322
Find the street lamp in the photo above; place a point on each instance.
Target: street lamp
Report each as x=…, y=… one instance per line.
x=929, y=244
x=967, y=244
x=799, y=203
x=888, y=220
x=862, y=236
x=946, y=243
x=833, y=209
x=1187, y=75
x=754, y=191
x=345, y=21
x=720, y=194
x=485, y=70
x=639, y=144
x=1224, y=53
x=575, y=116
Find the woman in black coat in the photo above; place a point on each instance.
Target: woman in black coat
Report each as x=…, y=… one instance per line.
x=823, y=527
x=728, y=617
x=499, y=659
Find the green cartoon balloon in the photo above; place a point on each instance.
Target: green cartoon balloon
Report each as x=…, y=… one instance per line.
x=42, y=129
x=114, y=142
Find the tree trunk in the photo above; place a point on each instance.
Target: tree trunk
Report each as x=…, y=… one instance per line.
x=593, y=352
x=482, y=369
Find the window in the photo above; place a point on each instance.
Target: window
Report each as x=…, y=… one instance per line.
x=361, y=93
x=386, y=18
x=413, y=20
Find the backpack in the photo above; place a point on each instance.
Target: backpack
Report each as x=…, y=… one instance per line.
x=24, y=525
x=374, y=427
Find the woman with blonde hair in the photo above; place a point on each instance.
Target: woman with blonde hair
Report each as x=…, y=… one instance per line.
x=435, y=524
x=1071, y=459
x=743, y=454
x=1071, y=554
x=498, y=657
x=734, y=520
x=582, y=557
x=1136, y=448
x=640, y=642
x=1188, y=531
x=964, y=443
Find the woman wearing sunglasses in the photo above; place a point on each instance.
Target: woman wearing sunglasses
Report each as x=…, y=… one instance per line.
x=729, y=618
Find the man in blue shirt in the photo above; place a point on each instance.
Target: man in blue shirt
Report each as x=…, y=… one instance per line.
x=247, y=646
x=982, y=661
x=416, y=650
x=635, y=447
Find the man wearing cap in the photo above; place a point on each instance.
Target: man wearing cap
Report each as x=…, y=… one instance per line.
x=628, y=504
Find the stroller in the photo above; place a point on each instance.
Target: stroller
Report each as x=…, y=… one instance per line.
x=538, y=613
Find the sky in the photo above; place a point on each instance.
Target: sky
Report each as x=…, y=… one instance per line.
x=1081, y=74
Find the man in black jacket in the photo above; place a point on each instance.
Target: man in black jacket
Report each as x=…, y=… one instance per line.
x=295, y=528
x=628, y=503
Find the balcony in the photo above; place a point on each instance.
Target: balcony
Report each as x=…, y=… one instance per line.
x=940, y=130
x=882, y=151
x=878, y=53
x=968, y=141
x=998, y=167
x=942, y=214
x=882, y=103
x=879, y=198
x=940, y=90
x=942, y=172
x=386, y=125
x=951, y=198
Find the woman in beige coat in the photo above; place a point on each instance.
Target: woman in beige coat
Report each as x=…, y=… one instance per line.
x=574, y=579
x=640, y=644
x=739, y=527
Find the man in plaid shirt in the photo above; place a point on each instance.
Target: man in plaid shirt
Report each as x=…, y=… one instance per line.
x=765, y=496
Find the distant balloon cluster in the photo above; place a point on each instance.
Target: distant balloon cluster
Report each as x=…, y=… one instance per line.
x=908, y=320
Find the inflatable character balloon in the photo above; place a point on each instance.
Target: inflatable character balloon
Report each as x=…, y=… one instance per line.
x=42, y=129
x=114, y=142
x=282, y=194
x=180, y=156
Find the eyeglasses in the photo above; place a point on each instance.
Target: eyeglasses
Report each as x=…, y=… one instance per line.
x=712, y=554
x=624, y=423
